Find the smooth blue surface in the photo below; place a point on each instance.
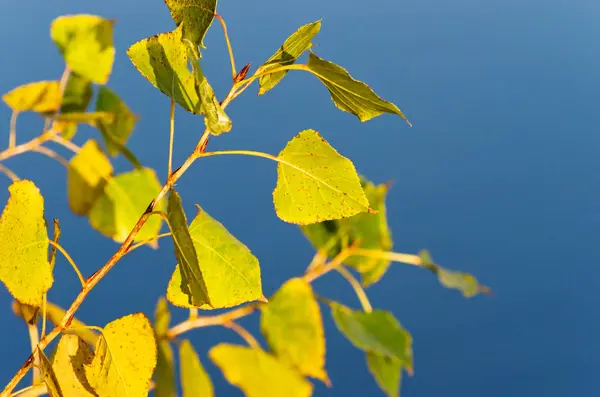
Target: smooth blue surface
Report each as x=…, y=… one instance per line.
x=498, y=177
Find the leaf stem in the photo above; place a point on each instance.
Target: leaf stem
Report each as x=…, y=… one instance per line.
x=243, y=332
x=409, y=259
x=231, y=57
x=34, y=338
x=147, y=241
x=207, y=321
x=12, y=137
x=358, y=289
x=11, y=175
x=68, y=257
x=171, y=136
x=52, y=154
x=65, y=143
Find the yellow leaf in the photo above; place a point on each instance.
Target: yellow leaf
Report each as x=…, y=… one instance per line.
x=164, y=376
x=125, y=358
x=71, y=357
x=86, y=43
x=258, y=373
x=293, y=327
x=41, y=97
x=315, y=183
x=88, y=172
x=24, y=266
x=194, y=379
x=50, y=379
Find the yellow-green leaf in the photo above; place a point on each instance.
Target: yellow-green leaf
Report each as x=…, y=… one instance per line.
x=348, y=94
x=77, y=95
x=71, y=357
x=293, y=327
x=463, y=282
x=192, y=281
x=377, y=332
x=194, y=16
x=55, y=237
x=120, y=126
x=125, y=358
x=257, y=373
x=368, y=231
x=194, y=379
x=41, y=97
x=86, y=43
x=24, y=267
x=294, y=46
x=91, y=118
x=50, y=379
x=315, y=183
x=124, y=200
x=230, y=271
x=387, y=373
x=164, y=376
x=55, y=314
x=87, y=175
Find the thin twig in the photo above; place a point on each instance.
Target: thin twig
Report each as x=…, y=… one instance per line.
x=243, y=332
x=11, y=175
x=148, y=241
x=171, y=136
x=231, y=57
x=409, y=259
x=68, y=257
x=66, y=143
x=207, y=321
x=12, y=138
x=52, y=154
x=358, y=289
x=34, y=338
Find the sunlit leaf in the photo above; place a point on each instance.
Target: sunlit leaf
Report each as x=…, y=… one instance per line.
x=86, y=43
x=293, y=327
x=50, y=379
x=55, y=237
x=87, y=175
x=230, y=271
x=194, y=16
x=348, y=94
x=192, y=280
x=387, y=373
x=120, y=127
x=376, y=332
x=125, y=199
x=72, y=355
x=164, y=375
x=315, y=183
x=76, y=98
x=287, y=54
x=41, y=97
x=215, y=118
x=194, y=379
x=125, y=358
x=24, y=267
x=368, y=231
x=463, y=282
x=257, y=373
x=55, y=314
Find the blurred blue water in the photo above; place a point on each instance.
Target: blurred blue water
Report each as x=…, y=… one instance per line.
x=497, y=177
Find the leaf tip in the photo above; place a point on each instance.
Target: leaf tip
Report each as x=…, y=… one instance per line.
x=263, y=299
x=372, y=211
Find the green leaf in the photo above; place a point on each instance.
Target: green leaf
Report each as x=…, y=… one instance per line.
x=368, y=231
x=50, y=379
x=348, y=94
x=122, y=124
x=194, y=16
x=294, y=46
x=86, y=43
x=77, y=95
x=71, y=357
x=125, y=358
x=164, y=375
x=463, y=282
x=377, y=332
x=387, y=373
x=192, y=281
x=55, y=314
x=315, y=183
x=87, y=175
x=258, y=373
x=90, y=118
x=41, y=97
x=24, y=267
x=125, y=199
x=216, y=120
x=194, y=379
x=293, y=327
x=230, y=271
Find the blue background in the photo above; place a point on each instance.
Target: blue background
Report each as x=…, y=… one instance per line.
x=497, y=177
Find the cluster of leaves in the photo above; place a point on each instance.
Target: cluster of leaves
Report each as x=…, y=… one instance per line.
x=342, y=214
